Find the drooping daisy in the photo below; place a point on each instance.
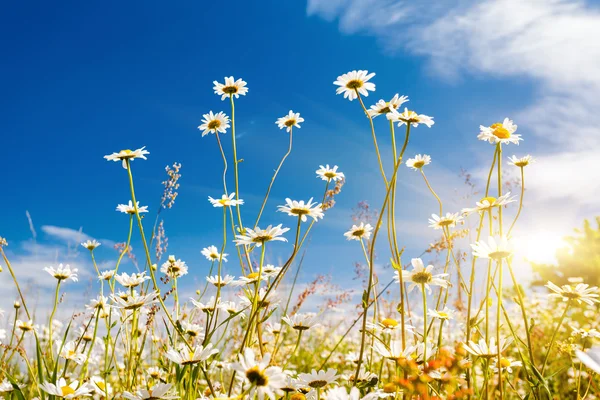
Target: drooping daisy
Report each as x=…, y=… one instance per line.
x=125, y=155
x=358, y=232
x=581, y=293
x=106, y=275
x=289, y=121
x=209, y=306
x=226, y=201
x=482, y=349
x=25, y=326
x=62, y=273
x=91, y=244
x=135, y=301
x=383, y=107
x=318, y=379
x=220, y=281
x=133, y=280
x=231, y=87
x=185, y=356
x=421, y=276
x=68, y=351
x=409, y=117
x=64, y=390
x=500, y=132
x=329, y=174
x=493, y=249
x=174, y=268
x=302, y=210
x=264, y=380
x=355, y=81
x=445, y=314
x=213, y=123
x=418, y=162
x=487, y=203
x=521, y=162
x=212, y=254
x=130, y=209
x=156, y=392
x=271, y=271
x=301, y=322
x=449, y=220
x=261, y=236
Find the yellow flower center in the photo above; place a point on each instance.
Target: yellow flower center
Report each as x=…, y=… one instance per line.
x=389, y=323
x=252, y=275
x=489, y=199
x=385, y=110
x=214, y=124
x=446, y=222
x=500, y=131
x=66, y=390
x=389, y=388
x=354, y=84
x=299, y=211
x=262, y=238
x=257, y=377
x=230, y=89
x=419, y=164
x=290, y=122
x=101, y=385
x=330, y=175
x=358, y=232
x=497, y=255
x=443, y=315
x=421, y=277
x=409, y=117
x=504, y=362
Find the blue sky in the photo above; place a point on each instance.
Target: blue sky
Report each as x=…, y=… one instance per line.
x=81, y=80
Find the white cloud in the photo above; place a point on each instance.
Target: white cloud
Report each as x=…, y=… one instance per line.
x=66, y=234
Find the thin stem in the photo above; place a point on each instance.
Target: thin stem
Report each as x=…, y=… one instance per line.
x=520, y=202
x=560, y=321
x=374, y=137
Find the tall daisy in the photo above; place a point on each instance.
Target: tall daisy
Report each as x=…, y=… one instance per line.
x=410, y=117
x=360, y=231
x=487, y=203
x=264, y=380
x=65, y=390
x=446, y=221
x=231, y=87
x=302, y=210
x=292, y=120
x=355, y=81
x=226, y=201
x=214, y=123
x=500, y=132
x=495, y=249
x=521, y=162
x=212, y=254
x=418, y=162
x=329, y=174
x=62, y=272
x=383, y=107
x=261, y=236
x=125, y=155
x=421, y=276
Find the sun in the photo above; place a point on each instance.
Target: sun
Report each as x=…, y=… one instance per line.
x=540, y=248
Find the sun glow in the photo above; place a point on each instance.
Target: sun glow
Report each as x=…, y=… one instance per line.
x=541, y=247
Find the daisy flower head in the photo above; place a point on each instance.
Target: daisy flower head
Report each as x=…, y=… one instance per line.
x=446, y=221
x=359, y=232
x=219, y=281
x=100, y=386
x=68, y=351
x=130, y=209
x=521, y=162
x=131, y=281
x=186, y=357
x=156, y=392
x=329, y=174
x=62, y=272
x=290, y=121
x=421, y=276
x=418, y=162
x=264, y=380
x=174, y=268
x=214, y=123
x=494, y=249
x=445, y=314
x=65, y=390
x=394, y=351
x=134, y=301
x=191, y=329
x=91, y=244
x=500, y=132
x=354, y=82
x=581, y=293
x=506, y=364
x=209, y=306
x=226, y=201
x=301, y=322
x=302, y=210
x=230, y=88
x=485, y=350
x=487, y=203
x=212, y=254
x=259, y=236
x=340, y=393
x=127, y=155
x=318, y=379
x=409, y=117
x=25, y=326
x=383, y=107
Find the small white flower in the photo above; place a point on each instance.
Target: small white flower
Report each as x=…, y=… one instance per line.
x=446, y=313
x=135, y=301
x=329, y=174
x=91, y=244
x=383, y=107
x=64, y=390
x=581, y=292
x=482, y=349
x=521, y=162
x=264, y=380
x=174, y=268
x=133, y=280
x=317, y=380
x=25, y=326
x=68, y=351
x=210, y=306
x=260, y=236
x=125, y=155
x=418, y=162
x=409, y=117
x=394, y=351
x=302, y=210
x=500, y=132
x=62, y=273
x=213, y=123
x=301, y=322
x=130, y=209
x=231, y=87
x=493, y=249
x=421, y=276
x=487, y=203
x=185, y=356
x=289, y=121
x=226, y=201
x=106, y=275
x=449, y=220
x=219, y=281
x=156, y=392
x=355, y=81
x=358, y=232
x=212, y=254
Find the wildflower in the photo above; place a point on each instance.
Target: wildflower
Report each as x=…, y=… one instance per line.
x=482, y=349
x=156, y=373
x=260, y=236
x=130, y=209
x=394, y=351
x=174, y=268
x=500, y=132
x=106, y=275
x=506, y=364
x=487, y=203
x=449, y=220
x=418, y=162
x=213, y=123
x=585, y=332
x=317, y=380
x=209, y=306
x=219, y=281
x=226, y=201
x=264, y=380
x=185, y=356
x=271, y=271
x=358, y=232
x=100, y=386
x=590, y=358
x=68, y=351
x=125, y=155
x=354, y=82
x=156, y=392
x=231, y=308
x=62, y=272
x=493, y=249
x=291, y=120
x=64, y=390
x=521, y=162
x=99, y=303
x=383, y=107
x=409, y=117
x=301, y=210
x=231, y=87
x=340, y=393
x=252, y=277
x=90, y=244
x=301, y=322
x=581, y=292
x=212, y=254
x=421, y=276
x=25, y=326
x=445, y=314
x=329, y=174
x=6, y=386
x=133, y=280
x=387, y=325
x=190, y=329
x=135, y=301
x=3, y=242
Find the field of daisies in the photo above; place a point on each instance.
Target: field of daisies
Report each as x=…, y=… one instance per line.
x=454, y=323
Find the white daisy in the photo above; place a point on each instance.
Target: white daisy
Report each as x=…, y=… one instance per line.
x=264, y=380
x=125, y=155
x=219, y=281
x=291, y=120
x=301, y=322
x=394, y=351
x=132, y=302
x=213, y=123
x=64, y=390
x=212, y=254
x=186, y=356
x=493, y=249
x=581, y=293
x=260, y=236
x=317, y=380
x=106, y=275
x=100, y=386
x=300, y=209
x=340, y=393
x=156, y=392
x=174, y=268
x=487, y=203
x=421, y=276
x=191, y=329
x=91, y=244
x=449, y=220
x=133, y=280
x=25, y=326
x=482, y=349
x=590, y=358
x=521, y=162
x=62, y=272
x=226, y=201
x=500, y=132
x=418, y=162
x=446, y=313
x=506, y=364
x=210, y=305
x=329, y=174
x=130, y=209
x=355, y=81
x=231, y=87
x=383, y=107
x=358, y=232
x=409, y=117
x=68, y=351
